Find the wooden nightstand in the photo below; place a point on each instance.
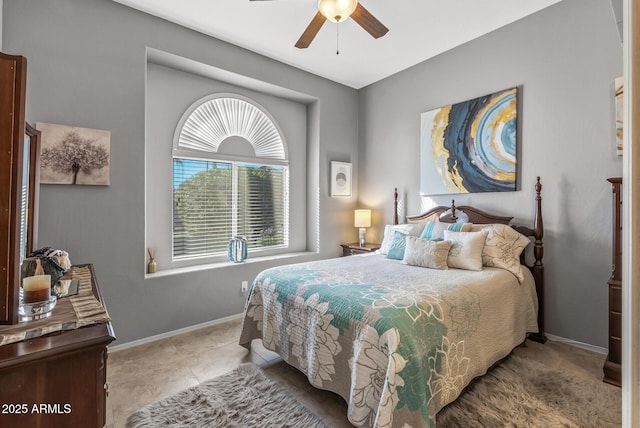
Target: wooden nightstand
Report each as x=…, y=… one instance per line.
x=355, y=248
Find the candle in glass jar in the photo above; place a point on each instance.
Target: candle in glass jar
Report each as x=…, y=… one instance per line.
x=36, y=288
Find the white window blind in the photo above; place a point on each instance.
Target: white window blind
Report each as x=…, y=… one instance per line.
x=219, y=196
x=261, y=205
x=202, y=207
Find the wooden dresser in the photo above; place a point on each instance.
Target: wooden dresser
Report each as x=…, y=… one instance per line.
x=612, y=366
x=57, y=380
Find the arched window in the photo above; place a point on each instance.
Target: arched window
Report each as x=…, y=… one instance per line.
x=230, y=178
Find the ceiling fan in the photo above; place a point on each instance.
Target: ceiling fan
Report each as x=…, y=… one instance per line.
x=338, y=11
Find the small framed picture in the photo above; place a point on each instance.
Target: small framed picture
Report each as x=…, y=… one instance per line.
x=340, y=179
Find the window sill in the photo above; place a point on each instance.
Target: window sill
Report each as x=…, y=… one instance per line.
x=189, y=269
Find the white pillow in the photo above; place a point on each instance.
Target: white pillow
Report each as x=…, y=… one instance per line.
x=426, y=253
x=466, y=249
x=503, y=247
x=389, y=229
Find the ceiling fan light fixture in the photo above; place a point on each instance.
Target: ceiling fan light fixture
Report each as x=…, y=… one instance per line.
x=337, y=10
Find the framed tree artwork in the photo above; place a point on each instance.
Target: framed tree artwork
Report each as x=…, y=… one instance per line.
x=72, y=155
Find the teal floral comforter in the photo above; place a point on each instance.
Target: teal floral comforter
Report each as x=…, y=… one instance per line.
x=397, y=342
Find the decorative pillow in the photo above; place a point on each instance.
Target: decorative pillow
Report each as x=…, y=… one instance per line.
x=466, y=249
x=503, y=247
x=408, y=229
x=435, y=229
x=396, y=250
x=426, y=253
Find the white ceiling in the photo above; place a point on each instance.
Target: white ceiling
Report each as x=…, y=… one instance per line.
x=418, y=30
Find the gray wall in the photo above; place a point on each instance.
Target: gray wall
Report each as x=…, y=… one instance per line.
x=86, y=67
x=564, y=60
x=616, y=6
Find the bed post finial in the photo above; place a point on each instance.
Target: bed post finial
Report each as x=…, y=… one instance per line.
x=453, y=211
x=538, y=266
x=395, y=206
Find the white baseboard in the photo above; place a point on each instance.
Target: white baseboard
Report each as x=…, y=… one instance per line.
x=120, y=347
x=587, y=346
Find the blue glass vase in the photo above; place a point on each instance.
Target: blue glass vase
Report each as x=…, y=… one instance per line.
x=238, y=249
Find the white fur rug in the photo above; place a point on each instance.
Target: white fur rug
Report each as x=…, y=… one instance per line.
x=244, y=397
x=525, y=393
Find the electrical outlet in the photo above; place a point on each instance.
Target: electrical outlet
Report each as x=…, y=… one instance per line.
x=244, y=287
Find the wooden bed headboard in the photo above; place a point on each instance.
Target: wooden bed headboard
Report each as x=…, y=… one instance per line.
x=477, y=216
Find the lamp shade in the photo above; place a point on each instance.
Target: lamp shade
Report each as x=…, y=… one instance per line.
x=337, y=10
x=362, y=218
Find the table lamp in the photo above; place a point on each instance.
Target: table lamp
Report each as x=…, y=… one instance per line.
x=362, y=219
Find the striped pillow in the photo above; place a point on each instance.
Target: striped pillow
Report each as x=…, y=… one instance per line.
x=434, y=230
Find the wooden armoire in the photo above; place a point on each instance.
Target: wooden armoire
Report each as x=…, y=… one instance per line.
x=613, y=364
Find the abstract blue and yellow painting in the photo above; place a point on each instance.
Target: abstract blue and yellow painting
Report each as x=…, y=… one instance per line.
x=470, y=147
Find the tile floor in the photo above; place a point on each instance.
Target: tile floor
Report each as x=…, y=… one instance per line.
x=141, y=375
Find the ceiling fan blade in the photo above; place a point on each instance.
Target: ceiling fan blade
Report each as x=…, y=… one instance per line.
x=369, y=22
x=310, y=32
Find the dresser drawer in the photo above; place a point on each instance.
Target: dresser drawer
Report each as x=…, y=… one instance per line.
x=615, y=350
x=615, y=298
x=615, y=324
x=353, y=251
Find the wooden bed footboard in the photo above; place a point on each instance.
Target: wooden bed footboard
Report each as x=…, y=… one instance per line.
x=477, y=216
